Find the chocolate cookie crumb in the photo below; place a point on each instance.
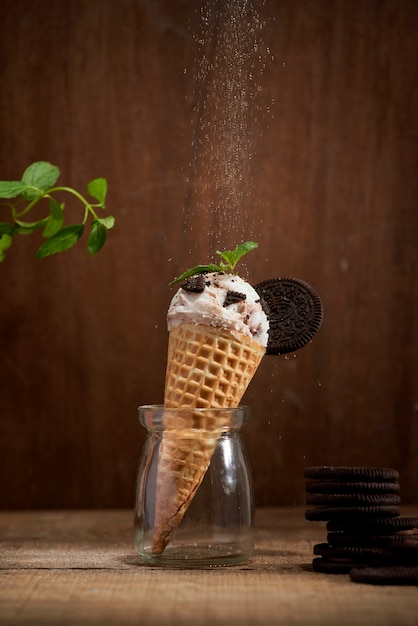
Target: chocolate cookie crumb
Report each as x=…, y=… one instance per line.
x=194, y=284
x=232, y=297
x=264, y=306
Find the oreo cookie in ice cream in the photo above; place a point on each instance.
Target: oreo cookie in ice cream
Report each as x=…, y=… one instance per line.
x=294, y=311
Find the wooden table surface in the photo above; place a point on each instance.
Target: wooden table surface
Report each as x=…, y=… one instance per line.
x=79, y=567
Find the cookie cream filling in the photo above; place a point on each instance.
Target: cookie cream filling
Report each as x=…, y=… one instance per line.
x=223, y=301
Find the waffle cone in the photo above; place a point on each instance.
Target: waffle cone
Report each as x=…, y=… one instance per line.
x=206, y=368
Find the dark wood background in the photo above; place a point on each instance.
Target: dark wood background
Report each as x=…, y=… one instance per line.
x=328, y=187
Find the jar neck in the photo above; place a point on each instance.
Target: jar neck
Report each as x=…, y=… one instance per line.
x=157, y=417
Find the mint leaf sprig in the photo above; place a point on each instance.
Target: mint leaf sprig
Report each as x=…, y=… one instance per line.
x=227, y=265
x=39, y=182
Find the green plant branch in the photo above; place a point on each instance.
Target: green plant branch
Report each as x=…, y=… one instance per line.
x=48, y=195
x=37, y=184
x=231, y=258
x=29, y=206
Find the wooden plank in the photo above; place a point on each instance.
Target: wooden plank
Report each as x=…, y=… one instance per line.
x=201, y=599
x=56, y=579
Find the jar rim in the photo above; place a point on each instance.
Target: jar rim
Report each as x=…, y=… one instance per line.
x=157, y=416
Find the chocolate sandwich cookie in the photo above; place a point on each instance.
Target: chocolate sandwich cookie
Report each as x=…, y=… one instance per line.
x=331, y=486
x=352, y=499
x=347, y=513
x=341, y=559
x=352, y=474
x=367, y=539
x=384, y=525
x=405, y=552
x=366, y=536
x=355, y=554
x=398, y=575
x=324, y=565
x=295, y=313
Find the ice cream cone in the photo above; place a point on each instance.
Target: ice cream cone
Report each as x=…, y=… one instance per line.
x=207, y=368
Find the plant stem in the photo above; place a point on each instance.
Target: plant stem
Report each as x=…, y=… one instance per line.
x=27, y=208
x=87, y=205
x=48, y=194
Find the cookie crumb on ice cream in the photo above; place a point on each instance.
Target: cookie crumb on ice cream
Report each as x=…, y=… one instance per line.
x=221, y=300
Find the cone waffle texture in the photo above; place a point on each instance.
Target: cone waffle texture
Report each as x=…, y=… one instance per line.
x=207, y=368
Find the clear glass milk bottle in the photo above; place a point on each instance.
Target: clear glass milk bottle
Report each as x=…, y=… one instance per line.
x=194, y=497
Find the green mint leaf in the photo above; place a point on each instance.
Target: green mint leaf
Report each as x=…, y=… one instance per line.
x=37, y=185
x=41, y=175
x=55, y=220
x=199, y=269
x=97, y=188
x=12, y=188
x=233, y=256
x=32, y=193
x=230, y=256
x=64, y=239
x=7, y=229
x=108, y=221
x=97, y=237
x=5, y=243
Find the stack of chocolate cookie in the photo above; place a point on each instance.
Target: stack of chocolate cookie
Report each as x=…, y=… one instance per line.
x=367, y=537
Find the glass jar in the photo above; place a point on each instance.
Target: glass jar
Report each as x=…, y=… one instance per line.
x=194, y=497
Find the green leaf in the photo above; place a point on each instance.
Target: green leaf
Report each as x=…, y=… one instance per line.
x=108, y=221
x=38, y=184
x=7, y=229
x=97, y=237
x=97, y=188
x=5, y=243
x=233, y=256
x=55, y=219
x=63, y=240
x=230, y=256
x=12, y=188
x=199, y=269
x=39, y=176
